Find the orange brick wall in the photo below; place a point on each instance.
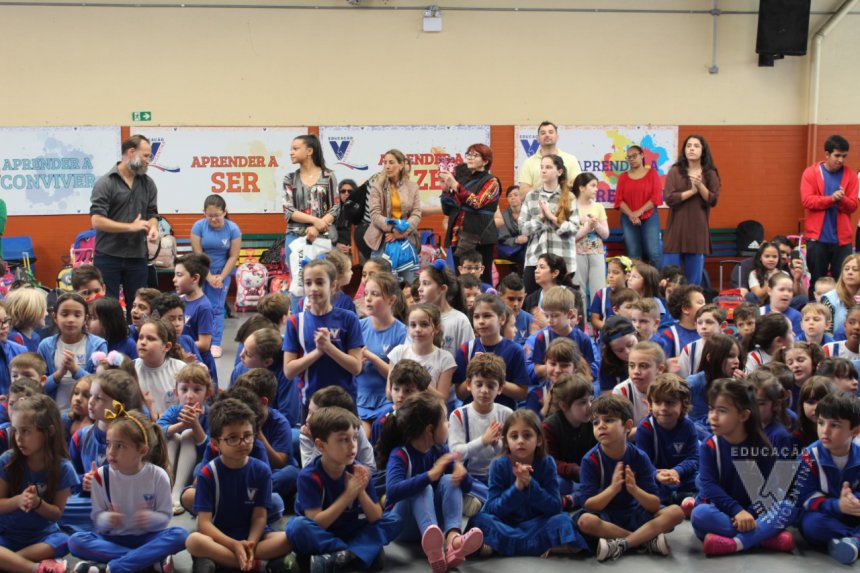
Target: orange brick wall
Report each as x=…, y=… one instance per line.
x=760, y=168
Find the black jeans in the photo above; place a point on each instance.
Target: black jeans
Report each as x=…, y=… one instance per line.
x=132, y=274
x=823, y=256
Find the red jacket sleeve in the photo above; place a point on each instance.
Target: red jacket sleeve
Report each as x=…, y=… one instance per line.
x=811, y=192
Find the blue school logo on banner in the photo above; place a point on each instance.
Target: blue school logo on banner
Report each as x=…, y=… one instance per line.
x=341, y=147
x=157, y=149
x=530, y=146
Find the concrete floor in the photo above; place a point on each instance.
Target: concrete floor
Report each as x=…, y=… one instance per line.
x=686, y=549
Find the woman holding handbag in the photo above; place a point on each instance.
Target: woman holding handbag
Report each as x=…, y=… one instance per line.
x=477, y=192
x=394, y=204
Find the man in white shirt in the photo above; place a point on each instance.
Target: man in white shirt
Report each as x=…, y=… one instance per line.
x=529, y=176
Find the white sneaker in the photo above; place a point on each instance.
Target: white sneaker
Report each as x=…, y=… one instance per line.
x=216, y=351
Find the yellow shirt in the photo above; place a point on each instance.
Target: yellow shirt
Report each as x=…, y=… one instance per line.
x=396, y=211
x=530, y=170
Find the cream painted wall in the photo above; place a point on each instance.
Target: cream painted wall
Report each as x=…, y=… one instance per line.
x=88, y=65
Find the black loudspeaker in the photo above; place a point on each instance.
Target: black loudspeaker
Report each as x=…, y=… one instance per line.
x=783, y=28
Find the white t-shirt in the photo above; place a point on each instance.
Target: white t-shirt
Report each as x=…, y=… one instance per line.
x=159, y=382
x=641, y=408
x=436, y=363
x=475, y=454
x=64, y=388
x=840, y=461
x=148, y=489
x=456, y=330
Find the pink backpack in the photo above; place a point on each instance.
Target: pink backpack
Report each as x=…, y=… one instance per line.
x=251, y=281
x=83, y=248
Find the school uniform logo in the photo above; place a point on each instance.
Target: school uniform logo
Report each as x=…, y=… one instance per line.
x=252, y=493
x=41, y=488
x=149, y=500
x=224, y=242
x=335, y=333
x=187, y=319
x=386, y=348
x=679, y=447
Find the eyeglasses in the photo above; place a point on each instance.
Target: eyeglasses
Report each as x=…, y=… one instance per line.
x=5, y=322
x=473, y=155
x=234, y=441
x=471, y=269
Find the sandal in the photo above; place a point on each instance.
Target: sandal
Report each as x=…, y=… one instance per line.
x=470, y=542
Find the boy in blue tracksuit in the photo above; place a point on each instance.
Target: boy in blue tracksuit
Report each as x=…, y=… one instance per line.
x=829, y=478
x=561, y=307
x=233, y=492
x=668, y=437
x=338, y=514
x=513, y=292
x=618, y=491
x=189, y=277
x=275, y=431
x=684, y=302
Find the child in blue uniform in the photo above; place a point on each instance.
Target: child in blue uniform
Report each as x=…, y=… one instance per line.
x=339, y=517
x=233, y=492
x=617, y=338
x=185, y=426
x=513, y=292
x=322, y=343
x=188, y=279
x=424, y=479
x=262, y=349
x=684, y=302
x=275, y=431
x=669, y=439
x=523, y=514
x=171, y=308
x=561, y=308
x=725, y=517
x=618, y=491
x=30, y=526
x=488, y=317
x=828, y=478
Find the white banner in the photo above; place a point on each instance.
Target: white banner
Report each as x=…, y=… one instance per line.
x=356, y=152
x=602, y=150
x=52, y=170
x=246, y=165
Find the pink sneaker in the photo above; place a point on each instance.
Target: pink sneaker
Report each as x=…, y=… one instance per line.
x=470, y=542
x=782, y=541
x=433, y=544
x=719, y=545
x=687, y=505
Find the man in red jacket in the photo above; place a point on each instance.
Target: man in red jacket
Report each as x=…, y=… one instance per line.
x=828, y=191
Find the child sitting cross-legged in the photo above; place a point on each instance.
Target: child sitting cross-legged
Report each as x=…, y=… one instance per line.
x=339, y=516
x=618, y=491
x=233, y=492
x=828, y=476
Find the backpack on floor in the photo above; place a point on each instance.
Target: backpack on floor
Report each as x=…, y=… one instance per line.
x=251, y=280
x=83, y=248
x=161, y=253
x=279, y=283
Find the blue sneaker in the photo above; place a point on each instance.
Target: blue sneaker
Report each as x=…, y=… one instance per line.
x=844, y=550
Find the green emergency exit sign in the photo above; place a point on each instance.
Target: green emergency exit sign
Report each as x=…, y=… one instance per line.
x=141, y=116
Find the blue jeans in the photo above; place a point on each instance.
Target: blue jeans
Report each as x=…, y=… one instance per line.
x=217, y=298
x=643, y=240
x=131, y=273
x=419, y=512
x=693, y=264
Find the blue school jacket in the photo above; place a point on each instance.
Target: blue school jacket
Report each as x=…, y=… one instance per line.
x=406, y=472
x=719, y=482
x=540, y=499
x=820, y=481
x=676, y=449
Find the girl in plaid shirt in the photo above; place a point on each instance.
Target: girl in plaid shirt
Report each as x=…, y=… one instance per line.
x=548, y=219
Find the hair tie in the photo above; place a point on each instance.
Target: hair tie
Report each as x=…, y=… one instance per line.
x=98, y=356
x=440, y=265
x=625, y=262
x=118, y=412
x=115, y=358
